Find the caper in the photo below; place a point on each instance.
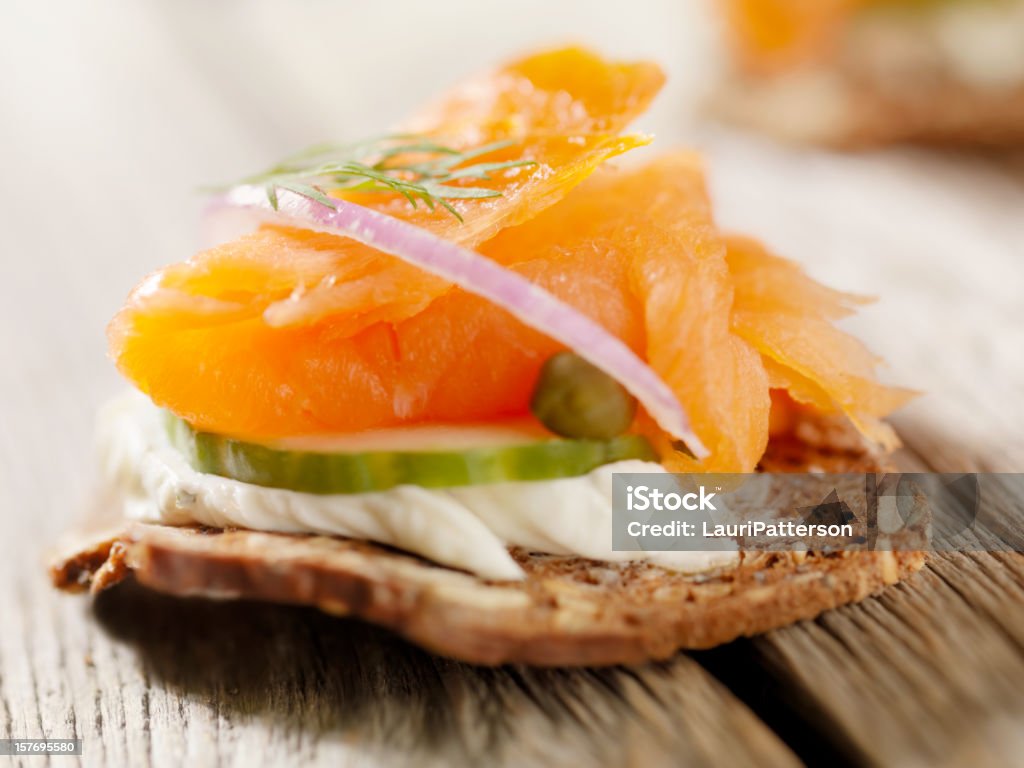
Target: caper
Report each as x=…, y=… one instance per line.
x=573, y=398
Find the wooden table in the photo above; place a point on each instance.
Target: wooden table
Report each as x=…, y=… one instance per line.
x=114, y=113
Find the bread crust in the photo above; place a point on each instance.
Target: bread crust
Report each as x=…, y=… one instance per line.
x=569, y=611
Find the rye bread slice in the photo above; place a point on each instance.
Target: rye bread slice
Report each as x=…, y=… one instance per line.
x=568, y=612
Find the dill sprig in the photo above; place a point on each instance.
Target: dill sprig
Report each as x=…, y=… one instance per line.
x=413, y=166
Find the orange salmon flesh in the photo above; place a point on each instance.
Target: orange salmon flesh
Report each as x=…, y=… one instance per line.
x=287, y=332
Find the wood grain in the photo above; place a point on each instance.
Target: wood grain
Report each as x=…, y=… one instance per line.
x=928, y=673
x=146, y=679
x=102, y=101
x=931, y=672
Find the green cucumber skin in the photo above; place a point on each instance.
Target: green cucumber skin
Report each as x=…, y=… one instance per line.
x=362, y=472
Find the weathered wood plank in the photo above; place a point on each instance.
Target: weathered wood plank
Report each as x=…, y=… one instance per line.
x=147, y=679
x=915, y=676
x=931, y=672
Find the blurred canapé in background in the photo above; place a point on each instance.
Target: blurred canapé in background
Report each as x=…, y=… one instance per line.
x=856, y=72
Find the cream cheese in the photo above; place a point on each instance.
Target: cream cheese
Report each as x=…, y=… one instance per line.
x=468, y=527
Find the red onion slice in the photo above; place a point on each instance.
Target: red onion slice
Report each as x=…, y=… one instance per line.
x=529, y=303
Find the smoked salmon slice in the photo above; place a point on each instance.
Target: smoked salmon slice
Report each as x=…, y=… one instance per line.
x=786, y=316
x=662, y=287
x=561, y=111
x=287, y=332
x=570, y=91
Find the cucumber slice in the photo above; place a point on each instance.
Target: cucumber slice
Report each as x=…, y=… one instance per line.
x=325, y=472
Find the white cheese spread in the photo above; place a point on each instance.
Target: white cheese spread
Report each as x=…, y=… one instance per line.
x=467, y=527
